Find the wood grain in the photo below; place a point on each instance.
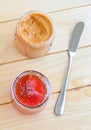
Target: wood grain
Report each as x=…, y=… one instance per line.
x=76, y=117
x=65, y=14
x=64, y=24
x=53, y=66
x=12, y=9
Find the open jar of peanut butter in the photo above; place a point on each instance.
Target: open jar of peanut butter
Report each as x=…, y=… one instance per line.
x=34, y=34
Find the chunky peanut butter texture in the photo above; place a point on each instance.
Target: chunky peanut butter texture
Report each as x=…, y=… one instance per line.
x=36, y=28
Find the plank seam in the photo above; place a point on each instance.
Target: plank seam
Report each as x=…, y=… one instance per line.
x=73, y=89
x=51, y=12
x=52, y=53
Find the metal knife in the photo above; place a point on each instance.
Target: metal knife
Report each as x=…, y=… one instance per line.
x=73, y=44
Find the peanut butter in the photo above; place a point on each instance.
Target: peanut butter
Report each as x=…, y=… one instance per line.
x=36, y=28
x=34, y=34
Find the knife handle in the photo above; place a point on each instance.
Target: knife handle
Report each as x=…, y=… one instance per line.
x=60, y=104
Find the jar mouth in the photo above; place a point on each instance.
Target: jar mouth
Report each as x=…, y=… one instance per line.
x=43, y=79
x=50, y=39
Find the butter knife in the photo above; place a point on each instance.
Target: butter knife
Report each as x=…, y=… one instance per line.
x=73, y=44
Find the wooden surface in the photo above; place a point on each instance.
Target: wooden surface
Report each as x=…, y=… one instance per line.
x=65, y=14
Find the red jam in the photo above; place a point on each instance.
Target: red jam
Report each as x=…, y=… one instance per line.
x=30, y=90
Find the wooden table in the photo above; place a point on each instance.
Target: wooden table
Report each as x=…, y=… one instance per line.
x=65, y=14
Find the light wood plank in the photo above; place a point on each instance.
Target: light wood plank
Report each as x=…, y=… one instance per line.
x=77, y=114
x=16, y=8
x=53, y=66
x=64, y=24
x=65, y=14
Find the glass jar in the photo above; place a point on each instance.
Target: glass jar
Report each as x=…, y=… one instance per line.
x=35, y=34
x=30, y=91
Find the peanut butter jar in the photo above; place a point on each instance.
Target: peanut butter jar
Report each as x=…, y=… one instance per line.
x=35, y=34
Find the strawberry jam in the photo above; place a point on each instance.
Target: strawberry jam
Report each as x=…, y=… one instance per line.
x=30, y=90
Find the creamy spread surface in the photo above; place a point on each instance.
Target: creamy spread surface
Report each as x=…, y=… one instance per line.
x=35, y=28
